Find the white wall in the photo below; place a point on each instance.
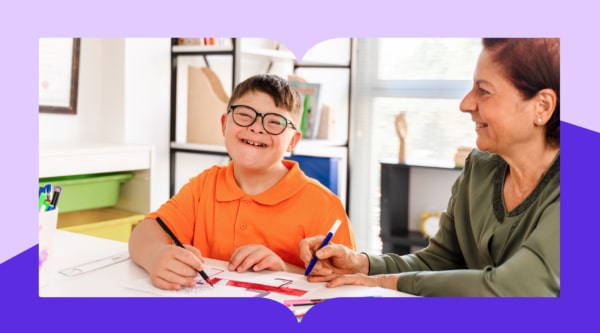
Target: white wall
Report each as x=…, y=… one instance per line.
x=147, y=105
x=97, y=103
x=123, y=97
x=429, y=191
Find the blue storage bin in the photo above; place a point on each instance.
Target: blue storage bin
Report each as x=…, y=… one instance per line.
x=323, y=169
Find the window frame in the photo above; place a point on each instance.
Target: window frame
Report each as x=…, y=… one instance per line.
x=368, y=87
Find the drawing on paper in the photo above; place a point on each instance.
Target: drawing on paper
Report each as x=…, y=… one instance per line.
x=266, y=289
x=233, y=284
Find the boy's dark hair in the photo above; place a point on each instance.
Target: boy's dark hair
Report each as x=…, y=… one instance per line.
x=283, y=94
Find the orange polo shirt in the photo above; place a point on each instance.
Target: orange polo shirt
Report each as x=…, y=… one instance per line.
x=212, y=213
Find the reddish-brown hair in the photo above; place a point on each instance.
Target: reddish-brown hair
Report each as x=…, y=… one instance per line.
x=531, y=64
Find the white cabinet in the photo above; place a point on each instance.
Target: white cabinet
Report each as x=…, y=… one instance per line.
x=71, y=159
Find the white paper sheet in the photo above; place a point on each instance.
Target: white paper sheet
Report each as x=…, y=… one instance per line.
x=279, y=286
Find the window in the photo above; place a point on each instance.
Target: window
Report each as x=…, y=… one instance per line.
x=427, y=78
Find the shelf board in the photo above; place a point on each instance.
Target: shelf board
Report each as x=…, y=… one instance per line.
x=263, y=52
x=317, y=64
x=323, y=148
x=201, y=48
x=90, y=157
x=447, y=165
x=84, y=217
x=198, y=147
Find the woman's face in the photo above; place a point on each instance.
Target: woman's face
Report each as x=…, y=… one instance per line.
x=504, y=121
x=252, y=147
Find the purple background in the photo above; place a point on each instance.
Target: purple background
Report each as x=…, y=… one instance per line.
x=298, y=26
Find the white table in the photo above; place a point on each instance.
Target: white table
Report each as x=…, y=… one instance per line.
x=74, y=250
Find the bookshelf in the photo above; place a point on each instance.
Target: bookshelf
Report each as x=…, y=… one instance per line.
x=240, y=59
x=334, y=71
x=179, y=149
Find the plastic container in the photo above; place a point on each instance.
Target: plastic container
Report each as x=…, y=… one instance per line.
x=91, y=191
x=118, y=229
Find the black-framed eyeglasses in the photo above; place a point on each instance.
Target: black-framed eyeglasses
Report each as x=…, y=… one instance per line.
x=273, y=123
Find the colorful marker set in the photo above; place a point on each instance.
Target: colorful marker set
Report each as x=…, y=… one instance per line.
x=48, y=198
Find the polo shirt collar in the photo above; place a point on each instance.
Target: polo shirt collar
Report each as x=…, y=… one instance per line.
x=287, y=187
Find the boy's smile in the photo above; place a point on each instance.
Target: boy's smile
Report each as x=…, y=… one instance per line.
x=252, y=147
x=255, y=144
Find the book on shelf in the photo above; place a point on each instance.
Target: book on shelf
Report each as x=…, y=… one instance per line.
x=326, y=129
x=205, y=41
x=311, y=114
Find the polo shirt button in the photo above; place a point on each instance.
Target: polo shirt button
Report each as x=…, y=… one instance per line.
x=246, y=202
x=243, y=226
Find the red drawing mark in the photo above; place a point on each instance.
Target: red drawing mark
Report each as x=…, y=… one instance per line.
x=212, y=281
x=263, y=287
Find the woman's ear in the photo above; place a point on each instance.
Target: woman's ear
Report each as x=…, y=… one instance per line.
x=546, y=104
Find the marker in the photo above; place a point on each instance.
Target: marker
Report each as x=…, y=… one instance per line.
x=42, y=202
x=332, y=231
x=42, y=190
x=48, y=188
x=304, y=301
x=178, y=243
x=55, y=196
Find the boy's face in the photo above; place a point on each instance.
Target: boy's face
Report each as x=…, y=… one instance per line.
x=252, y=147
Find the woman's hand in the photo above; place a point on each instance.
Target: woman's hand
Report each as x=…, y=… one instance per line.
x=333, y=259
x=388, y=281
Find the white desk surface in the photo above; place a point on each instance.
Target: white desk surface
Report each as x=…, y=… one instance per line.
x=72, y=249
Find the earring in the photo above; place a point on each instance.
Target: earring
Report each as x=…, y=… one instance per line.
x=539, y=120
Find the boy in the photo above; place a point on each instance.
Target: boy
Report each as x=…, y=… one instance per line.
x=252, y=212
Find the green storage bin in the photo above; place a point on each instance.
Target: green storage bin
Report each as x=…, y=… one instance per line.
x=90, y=191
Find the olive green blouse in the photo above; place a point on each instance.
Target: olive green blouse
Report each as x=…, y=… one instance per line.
x=481, y=249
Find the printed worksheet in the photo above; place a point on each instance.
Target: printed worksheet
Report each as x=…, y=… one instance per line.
x=278, y=286
x=274, y=285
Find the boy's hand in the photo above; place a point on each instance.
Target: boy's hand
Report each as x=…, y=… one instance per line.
x=175, y=267
x=255, y=257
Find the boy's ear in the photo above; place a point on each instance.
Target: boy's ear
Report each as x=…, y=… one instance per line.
x=294, y=141
x=223, y=121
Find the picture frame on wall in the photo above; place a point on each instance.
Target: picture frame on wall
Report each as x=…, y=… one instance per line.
x=58, y=75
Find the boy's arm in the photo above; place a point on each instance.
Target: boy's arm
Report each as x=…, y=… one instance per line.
x=144, y=241
x=170, y=267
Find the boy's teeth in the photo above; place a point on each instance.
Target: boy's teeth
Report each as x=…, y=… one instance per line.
x=254, y=143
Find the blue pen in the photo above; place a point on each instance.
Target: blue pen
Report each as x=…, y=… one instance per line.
x=45, y=189
x=332, y=231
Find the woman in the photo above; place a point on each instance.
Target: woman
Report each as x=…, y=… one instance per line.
x=500, y=233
